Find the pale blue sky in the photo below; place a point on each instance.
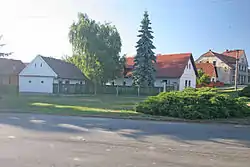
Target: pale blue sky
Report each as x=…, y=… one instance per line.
x=32, y=27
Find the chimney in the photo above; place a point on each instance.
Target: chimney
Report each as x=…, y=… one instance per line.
x=210, y=50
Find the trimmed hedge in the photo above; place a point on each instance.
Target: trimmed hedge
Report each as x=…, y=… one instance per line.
x=203, y=103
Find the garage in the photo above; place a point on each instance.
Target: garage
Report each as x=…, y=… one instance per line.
x=36, y=84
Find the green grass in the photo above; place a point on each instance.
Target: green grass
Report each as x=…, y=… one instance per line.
x=72, y=105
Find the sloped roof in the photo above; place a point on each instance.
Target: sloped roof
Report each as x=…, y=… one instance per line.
x=10, y=66
x=230, y=61
x=208, y=69
x=64, y=69
x=233, y=53
x=167, y=65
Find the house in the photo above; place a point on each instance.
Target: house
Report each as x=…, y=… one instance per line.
x=42, y=73
x=174, y=69
x=9, y=70
x=225, y=64
x=209, y=69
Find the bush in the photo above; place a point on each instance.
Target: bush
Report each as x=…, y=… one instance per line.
x=204, y=103
x=245, y=91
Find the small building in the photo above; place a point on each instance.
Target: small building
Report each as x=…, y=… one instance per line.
x=9, y=70
x=209, y=69
x=42, y=73
x=171, y=69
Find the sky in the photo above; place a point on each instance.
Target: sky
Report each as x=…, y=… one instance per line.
x=32, y=27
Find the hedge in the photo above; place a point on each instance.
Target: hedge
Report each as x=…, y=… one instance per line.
x=204, y=103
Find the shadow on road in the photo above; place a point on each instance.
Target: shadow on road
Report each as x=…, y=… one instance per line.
x=183, y=132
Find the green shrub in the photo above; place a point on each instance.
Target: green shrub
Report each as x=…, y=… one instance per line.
x=191, y=103
x=245, y=91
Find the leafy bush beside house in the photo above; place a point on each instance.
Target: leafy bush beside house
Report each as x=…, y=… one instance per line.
x=194, y=104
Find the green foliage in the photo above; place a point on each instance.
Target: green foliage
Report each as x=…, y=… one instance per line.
x=144, y=69
x=3, y=54
x=96, y=49
x=245, y=91
x=194, y=104
x=202, y=78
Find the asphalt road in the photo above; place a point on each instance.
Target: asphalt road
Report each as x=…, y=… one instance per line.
x=28, y=140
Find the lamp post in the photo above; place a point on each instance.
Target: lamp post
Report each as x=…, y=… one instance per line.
x=236, y=71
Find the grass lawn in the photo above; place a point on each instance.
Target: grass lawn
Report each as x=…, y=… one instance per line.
x=73, y=105
x=89, y=105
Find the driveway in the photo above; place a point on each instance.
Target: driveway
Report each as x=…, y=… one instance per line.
x=28, y=140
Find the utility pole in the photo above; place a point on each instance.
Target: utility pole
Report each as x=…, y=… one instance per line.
x=236, y=71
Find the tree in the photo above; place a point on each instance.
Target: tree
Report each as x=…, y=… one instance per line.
x=2, y=54
x=96, y=49
x=145, y=59
x=202, y=78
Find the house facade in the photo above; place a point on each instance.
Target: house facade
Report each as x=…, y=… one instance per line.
x=9, y=70
x=42, y=73
x=225, y=64
x=176, y=70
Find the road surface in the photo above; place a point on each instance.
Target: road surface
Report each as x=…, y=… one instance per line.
x=28, y=140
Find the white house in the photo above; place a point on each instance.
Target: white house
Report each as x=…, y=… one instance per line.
x=174, y=69
x=40, y=75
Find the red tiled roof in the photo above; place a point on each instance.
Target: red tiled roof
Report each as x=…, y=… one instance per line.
x=167, y=65
x=233, y=53
x=207, y=68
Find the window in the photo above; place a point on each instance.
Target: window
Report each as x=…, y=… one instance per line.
x=35, y=64
x=186, y=82
x=189, y=65
x=189, y=83
x=67, y=82
x=124, y=83
x=29, y=81
x=212, y=79
x=42, y=82
x=81, y=82
x=214, y=62
x=41, y=64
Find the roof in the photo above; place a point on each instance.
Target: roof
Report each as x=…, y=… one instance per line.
x=233, y=53
x=167, y=65
x=208, y=69
x=10, y=66
x=64, y=69
x=230, y=61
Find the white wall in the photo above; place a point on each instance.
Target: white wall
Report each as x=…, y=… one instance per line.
x=70, y=81
x=170, y=81
x=38, y=67
x=189, y=75
x=119, y=81
x=36, y=84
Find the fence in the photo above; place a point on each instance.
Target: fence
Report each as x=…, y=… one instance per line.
x=107, y=89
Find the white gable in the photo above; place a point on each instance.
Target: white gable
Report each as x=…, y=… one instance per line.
x=38, y=67
x=188, y=78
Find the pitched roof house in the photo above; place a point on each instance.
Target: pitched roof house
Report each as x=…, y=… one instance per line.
x=40, y=75
x=9, y=70
x=225, y=64
x=208, y=69
x=174, y=69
